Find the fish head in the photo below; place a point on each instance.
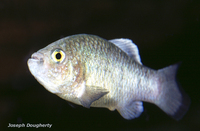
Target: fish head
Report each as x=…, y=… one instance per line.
x=50, y=67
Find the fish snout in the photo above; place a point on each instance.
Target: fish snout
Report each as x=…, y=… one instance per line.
x=37, y=57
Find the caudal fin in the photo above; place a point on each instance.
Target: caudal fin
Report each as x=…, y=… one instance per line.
x=171, y=99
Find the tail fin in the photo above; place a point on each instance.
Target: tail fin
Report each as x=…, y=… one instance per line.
x=171, y=99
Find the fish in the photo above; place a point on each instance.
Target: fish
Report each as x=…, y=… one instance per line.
x=91, y=71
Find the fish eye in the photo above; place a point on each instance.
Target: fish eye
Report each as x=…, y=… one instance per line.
x=58, y=55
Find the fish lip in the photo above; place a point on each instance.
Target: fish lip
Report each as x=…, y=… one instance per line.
x=37, y=57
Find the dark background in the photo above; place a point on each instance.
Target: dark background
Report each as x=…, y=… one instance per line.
x=166, y=32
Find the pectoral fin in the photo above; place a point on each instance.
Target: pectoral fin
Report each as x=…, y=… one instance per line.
x=89, y=94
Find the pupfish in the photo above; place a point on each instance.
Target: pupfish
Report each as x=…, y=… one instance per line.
x=93, y=72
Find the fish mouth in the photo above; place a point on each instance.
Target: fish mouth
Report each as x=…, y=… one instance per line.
x=35, y=64
x=37, y=57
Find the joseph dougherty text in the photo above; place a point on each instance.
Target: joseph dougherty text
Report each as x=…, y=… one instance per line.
x=30, y=125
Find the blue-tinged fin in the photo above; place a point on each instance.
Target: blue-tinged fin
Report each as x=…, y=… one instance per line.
x=171, y=98
x=131, y=110
x=128, y=47
x=71, y=104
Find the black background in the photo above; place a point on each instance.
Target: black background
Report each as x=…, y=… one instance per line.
x=166, y=32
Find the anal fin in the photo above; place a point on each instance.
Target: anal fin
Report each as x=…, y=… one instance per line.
x=131, y=110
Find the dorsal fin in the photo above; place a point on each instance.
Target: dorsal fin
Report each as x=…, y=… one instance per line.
x=128, y=47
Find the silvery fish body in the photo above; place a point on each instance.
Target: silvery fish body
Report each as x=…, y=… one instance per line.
x=93, y=72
